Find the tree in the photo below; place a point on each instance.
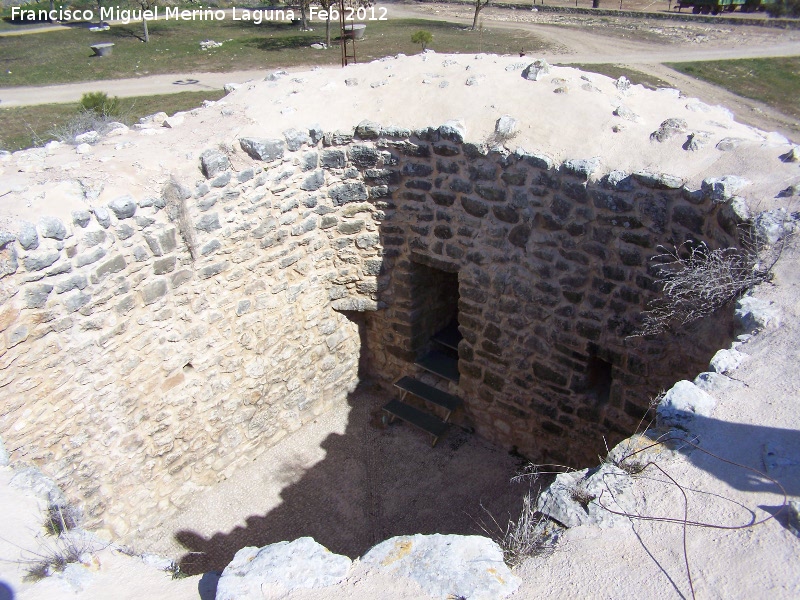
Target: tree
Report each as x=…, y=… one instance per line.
x=327, y=6
x=479, y=6
x=784, y=8
x=422, y=37
x=146, y=5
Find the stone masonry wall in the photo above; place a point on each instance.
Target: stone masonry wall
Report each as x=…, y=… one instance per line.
x=153, y=345
x=554, y=269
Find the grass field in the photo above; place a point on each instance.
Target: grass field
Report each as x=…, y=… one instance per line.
x=65, y=56
x=616, y=71
x=26, y=126
x=774, y=81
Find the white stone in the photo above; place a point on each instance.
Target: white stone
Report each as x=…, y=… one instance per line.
x=722, y=189
x=446, y=566
x=117, y=129
x=231, y=87
x=90, y=137
x=754, y=313
x=155, y=119
x=682, y=402
x=173, y=121
x=506, y=126
x=727, y=361
x=536, y=70
x=771, y=226
x=83, y=149
x=52, y=145
x=713, y=382
x=586, y=497
x=279, y=568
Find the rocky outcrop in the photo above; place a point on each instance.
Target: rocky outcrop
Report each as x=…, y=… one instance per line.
x=589, y=497
x=446, y=566
x=275, y=570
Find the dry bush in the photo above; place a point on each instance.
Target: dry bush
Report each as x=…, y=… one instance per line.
x=531, y=534
x=54, y=556
x=60, y=519
x=84, y=121
x=696, y=281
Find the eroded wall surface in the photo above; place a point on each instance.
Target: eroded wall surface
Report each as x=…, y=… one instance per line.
x=152, y=345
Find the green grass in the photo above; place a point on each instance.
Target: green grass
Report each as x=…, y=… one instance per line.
x=616, y=71
x=65, y=56
x=26, y=126
x=773, y=81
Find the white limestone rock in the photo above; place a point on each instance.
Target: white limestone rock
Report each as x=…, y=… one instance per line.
x=713, y=382
x=727, y=361
x=446, y=566
x=771, y=226
x=585, y=497
x=277, y=569
x=682, y=402
x=90, y=137
x=536, y=70
x=506, y=126
x=754, y=313
x=722, y=189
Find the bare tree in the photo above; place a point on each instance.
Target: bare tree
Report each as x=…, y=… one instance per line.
x=146, y=5
x=327, y=6
x=479, y=6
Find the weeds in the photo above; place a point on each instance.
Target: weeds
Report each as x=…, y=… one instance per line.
x=54, y=556
x=61, y=519
x=83, y=122
x=531, y=534
x=696, y=281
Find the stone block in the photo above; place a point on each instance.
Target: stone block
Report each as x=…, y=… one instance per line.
x=268, y=150
x=51, y=227
x=213, y=162
x=151, y=292
x=164, y=265
x=35, y=295
x=123, y=207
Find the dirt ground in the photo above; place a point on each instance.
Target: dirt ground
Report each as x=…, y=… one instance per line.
x=348, y=482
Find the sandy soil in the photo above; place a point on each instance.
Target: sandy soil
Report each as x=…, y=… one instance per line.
x=349, y=483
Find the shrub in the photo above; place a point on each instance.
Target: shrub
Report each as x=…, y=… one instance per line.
x=100, y=104
x=784, y=8
x=60, y=519
x=86, y=120
x=422, y=37
x=696, y=281
x=53, y=557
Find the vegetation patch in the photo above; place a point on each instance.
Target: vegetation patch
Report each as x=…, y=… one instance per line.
x=651, y=82
x=25, y=126
x=773, y=81
x=174, y=47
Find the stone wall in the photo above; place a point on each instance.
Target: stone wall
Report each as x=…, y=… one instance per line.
x=554, y=268
x=153, y=345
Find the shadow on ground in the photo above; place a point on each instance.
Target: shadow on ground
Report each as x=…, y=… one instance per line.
x=375, y=483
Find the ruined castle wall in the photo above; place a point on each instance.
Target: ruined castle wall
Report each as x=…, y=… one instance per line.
x=152, y=346
x=554, y=269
